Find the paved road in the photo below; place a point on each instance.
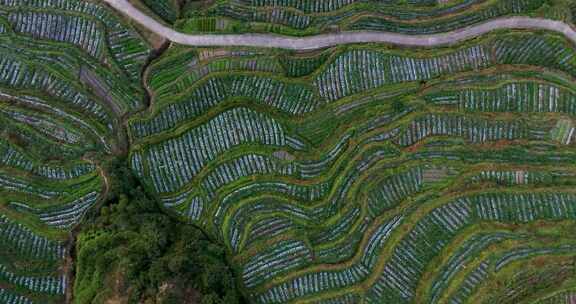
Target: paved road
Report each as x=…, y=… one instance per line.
x=326, y=40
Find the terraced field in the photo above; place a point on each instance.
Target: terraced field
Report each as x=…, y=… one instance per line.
x=363, y=173
x=69, y=72
x=308, y=17
x=368, y=174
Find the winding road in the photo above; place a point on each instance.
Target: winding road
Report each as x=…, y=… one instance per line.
x=327, y=40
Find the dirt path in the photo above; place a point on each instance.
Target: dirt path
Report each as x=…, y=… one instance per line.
x=327, y=40
x=69, y=263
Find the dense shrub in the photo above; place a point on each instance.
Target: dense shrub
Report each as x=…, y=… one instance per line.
x=133, y=252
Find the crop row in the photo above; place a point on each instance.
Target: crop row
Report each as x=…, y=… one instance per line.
x=345, y=247
x=61, y=173
x=199, y=101
x=198, y=71
x=295, y=143
x=523, y=253
x=302, y=193
x=302, y=216
x=70, y=214
x=136, y=164
x=45, y=126
x=563, y=132
x=175, y=162
x=513, y=97
x=450, y=23
x=401, y=274
x=290, y=98
x=332, y=232
x=268, y=228
x=275, y=16
x=178, y=199
x=124, y=43
x=314, y=192
x=248, y=213
x=68, y=69
x=166, y=9
x=470, y=283
x=309, y=169
x=12, y=184
x=54, y=111
x=346, y=299
x=297, y=66
x=473, y=130
x=359, y=70
x=351, y=73
x=459, y=259
x=405, y=9
x=18, y=74
x=50, y=284
x=75, y=30
x=440, y=8
x=12, y=157
x=10, y=298
x=243, y=166
x=393, y=190
x=304, y=5
x=195, y=208
x=519, y=177
x=564, y=297
x=539, y=50
x=263, y=205
x=26, y=243
x=523, y=208
x=237, y=222
x=284, y=17
x=280, y=258
x=303, y=17
x=551, y=276
x=320, y=281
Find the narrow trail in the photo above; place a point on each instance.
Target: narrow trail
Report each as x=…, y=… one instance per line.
x=70, y=260
x=123, y=149
x=148, y=93
x=328, y=40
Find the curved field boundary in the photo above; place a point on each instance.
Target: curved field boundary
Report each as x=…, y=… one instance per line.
x=327, y=40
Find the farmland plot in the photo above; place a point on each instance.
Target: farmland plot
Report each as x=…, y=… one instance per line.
x=57, y=58
x=354, y=174
x=308, y=17
x=429, y=190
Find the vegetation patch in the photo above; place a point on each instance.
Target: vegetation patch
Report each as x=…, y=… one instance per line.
x=131, y=251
